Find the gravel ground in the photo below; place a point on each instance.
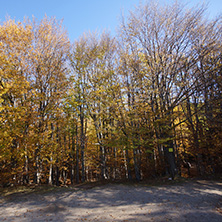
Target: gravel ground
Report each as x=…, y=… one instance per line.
x=191, y=201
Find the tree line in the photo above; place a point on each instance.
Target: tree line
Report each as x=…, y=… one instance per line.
x=139, y=105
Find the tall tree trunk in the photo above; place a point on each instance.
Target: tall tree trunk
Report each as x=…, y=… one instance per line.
x=115, y=163
x=57, y=175
x=136, y=164
x=50, y=171
x=37, y=167
x=77, y=156
x=26, y=177
x=103, y=162
x=72, y=158
x=200, y=165
x=82, y=143
x=129, y=174
x=195, y=136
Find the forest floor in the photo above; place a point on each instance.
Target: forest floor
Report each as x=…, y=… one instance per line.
x=190, y=200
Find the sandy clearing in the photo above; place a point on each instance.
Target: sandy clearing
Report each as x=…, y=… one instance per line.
x=191, y=201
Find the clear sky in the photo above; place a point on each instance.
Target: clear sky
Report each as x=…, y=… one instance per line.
x=80, y=16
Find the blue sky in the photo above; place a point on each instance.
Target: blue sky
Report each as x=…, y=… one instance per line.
x=80, y=16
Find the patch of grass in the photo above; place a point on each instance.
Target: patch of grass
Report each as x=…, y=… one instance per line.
x=37, y=189
x=43, y=189
x=164, y=181
x=89, y=185
x=160, y=181
x=11, y=190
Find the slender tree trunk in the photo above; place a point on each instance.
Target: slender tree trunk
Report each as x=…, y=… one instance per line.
x=200, y=166
x=103, y=162
x=77, y=156
x=82, y=144
x=195, y=137
x=136, y=164
x=72, y=159
x=64, y=175
x=77, y=163
x=50, y=171
x=50, y=166
x=115, y=162
x=72, y=173
x=37, y=166
x=129, y=174
x=57, y=175
x=26, y=177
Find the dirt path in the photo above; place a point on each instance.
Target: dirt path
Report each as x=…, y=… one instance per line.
x=191, y=201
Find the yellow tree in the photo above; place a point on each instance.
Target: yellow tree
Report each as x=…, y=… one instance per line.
x=32, y=82
x=14, y=95
x=50, y=48
x=93, y=72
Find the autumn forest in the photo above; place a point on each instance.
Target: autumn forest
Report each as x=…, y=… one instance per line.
x=142, y=104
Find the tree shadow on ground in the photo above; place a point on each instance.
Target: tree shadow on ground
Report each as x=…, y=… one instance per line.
x=191, y=201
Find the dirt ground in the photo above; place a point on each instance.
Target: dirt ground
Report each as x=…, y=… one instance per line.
x=191, y=201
